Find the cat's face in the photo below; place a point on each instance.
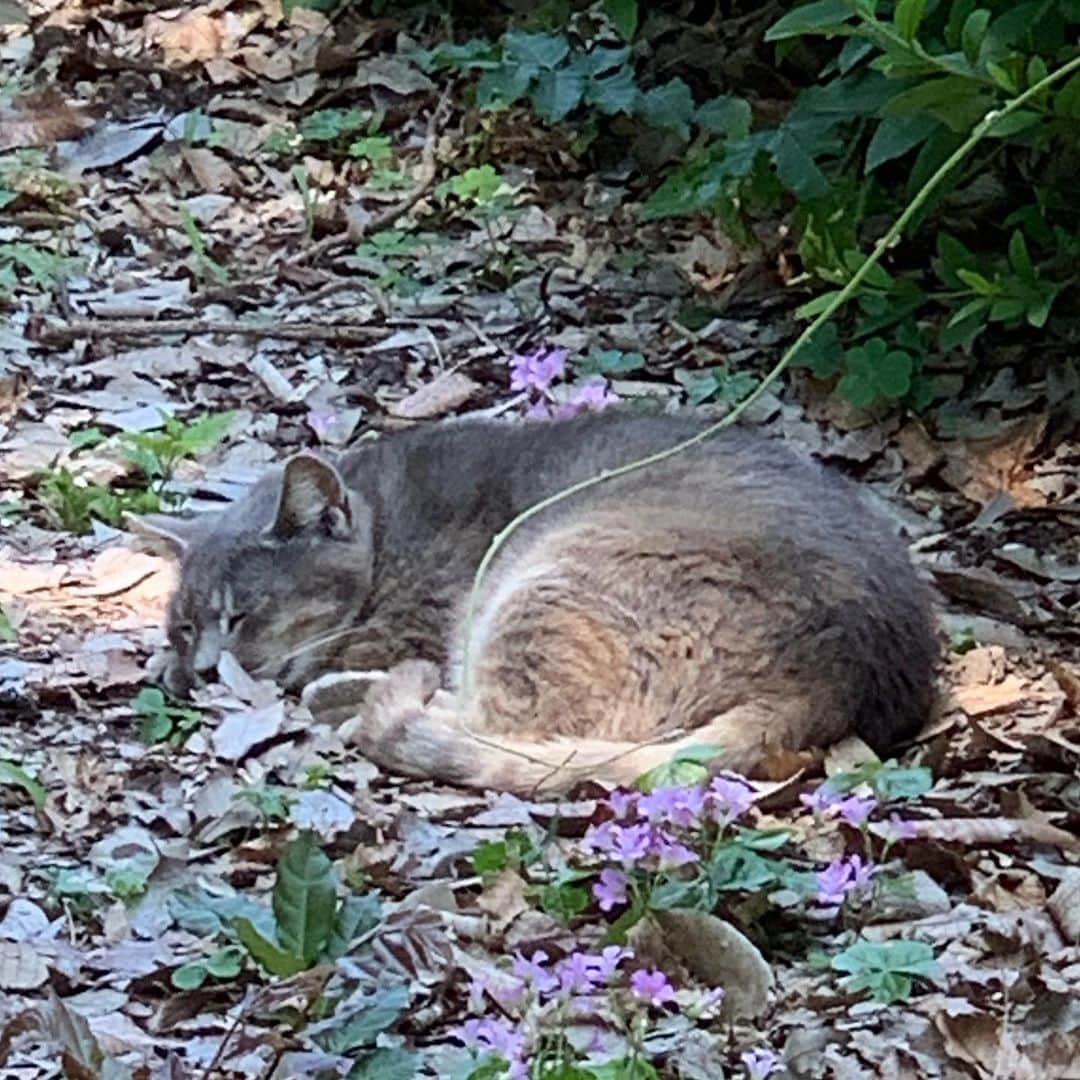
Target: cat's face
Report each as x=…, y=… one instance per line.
x=276, y=580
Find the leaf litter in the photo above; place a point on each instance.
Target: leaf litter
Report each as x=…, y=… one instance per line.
x=317, y=299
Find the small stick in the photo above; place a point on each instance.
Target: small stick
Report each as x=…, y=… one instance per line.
x=64, y=332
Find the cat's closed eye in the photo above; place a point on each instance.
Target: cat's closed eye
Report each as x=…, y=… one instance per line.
x=234, y=621
x=186, y=632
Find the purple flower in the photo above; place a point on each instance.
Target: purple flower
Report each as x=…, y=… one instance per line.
x=536, y=370
x=820, y=799
x=607, y=961
x=843, y=878
x=592, y=396
x=539, y=410
x=651, y=986
x=533, y=971
x=622, y=801
x=729, y=799
x=610, y=889
x=577, y=974
x=855, y=811
x=761, y=1063
x=896, y=828
x=627, y=844
x=679, y=806
x=671, y=854
x=497, y=1036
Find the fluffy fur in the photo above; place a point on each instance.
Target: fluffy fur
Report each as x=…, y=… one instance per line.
x=738, y=594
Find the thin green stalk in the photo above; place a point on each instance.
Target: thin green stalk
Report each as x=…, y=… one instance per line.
x=978, y=133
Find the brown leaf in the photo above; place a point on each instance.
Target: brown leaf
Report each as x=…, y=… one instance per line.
x=990, y=831
x=442, y=395
x=41, y=120
x=719, y=955
x=998, y=697
x=193, y=36
x=992, y=1046
x=1064, y=904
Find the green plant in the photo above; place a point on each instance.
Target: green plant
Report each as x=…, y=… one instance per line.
x=156, y=453
x=160, y=721
x=16, y=776
x=72, y=502
x=888, y=969
x=308, y=923
x=7, y=628
x=206, y=266
x=272, y=802
x=307, y=197
x=224, y=963
x=44, y=268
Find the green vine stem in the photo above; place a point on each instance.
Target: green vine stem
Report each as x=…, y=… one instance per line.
x=978, y=133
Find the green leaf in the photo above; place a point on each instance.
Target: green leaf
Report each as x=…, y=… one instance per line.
x=10, y=773
x=821, y=17
x=728, y=115
x=490, y=857
x=563, y=900
x=670, y=106
x=893, y=374
x=205, y=433
x=686, y=767
x=386, y=1063
x=887, y=968
x=1020, y=259
x=1012, y=124
x=796, y=167
x=557, y=92
x=859, y=390
x=893, y=782
x=7, y=631
x=535, y=51
x=189, y=976
x=616, y=93
x=225, y=963
x=504, y=85
x=268, y=954
x=624, y=17
x=1067, y=99
x=971, y=37
x=907, y=17
x=304, y=898
x=610, y=362
x=896, y=135
x=367, y=1019
x=358, y=915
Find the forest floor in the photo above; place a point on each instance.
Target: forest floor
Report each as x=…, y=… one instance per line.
x=183, y=238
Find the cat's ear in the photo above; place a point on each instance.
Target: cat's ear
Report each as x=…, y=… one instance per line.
x=312, y=493
x=162, y=533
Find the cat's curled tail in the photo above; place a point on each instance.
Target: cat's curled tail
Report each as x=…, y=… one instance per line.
x=406, y=725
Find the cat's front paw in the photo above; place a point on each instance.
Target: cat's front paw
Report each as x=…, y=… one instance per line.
x=407, y=688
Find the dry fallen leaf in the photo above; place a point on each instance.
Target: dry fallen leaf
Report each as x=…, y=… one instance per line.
x=719, y=955
x=22, y=967
x=990, y=831
x=993, y=698
x=442, y=395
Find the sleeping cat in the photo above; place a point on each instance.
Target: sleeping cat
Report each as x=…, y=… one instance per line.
x=738, y=594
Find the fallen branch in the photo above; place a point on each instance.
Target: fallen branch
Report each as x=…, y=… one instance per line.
x=426, y=181
x=64, y=332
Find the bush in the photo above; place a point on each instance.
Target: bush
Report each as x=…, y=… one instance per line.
x=892, y=89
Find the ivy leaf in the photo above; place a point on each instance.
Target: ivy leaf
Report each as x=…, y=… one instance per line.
x=557, y=93
x=670, y=106
x=387, y=1063
x=535, y=51
x=686, y=767
x=616, y=93
x=728, y=115
x=304, y=899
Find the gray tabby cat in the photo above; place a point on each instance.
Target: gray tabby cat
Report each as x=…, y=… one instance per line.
x=738, y=594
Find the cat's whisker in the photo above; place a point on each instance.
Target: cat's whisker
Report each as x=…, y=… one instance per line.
x=328, y=638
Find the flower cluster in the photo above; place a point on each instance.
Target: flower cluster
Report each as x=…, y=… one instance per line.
x=535, y=371
x=537, y=990
x=645, y=831
x=844, y=878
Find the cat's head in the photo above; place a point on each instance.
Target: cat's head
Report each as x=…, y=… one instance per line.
x=273, y=580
